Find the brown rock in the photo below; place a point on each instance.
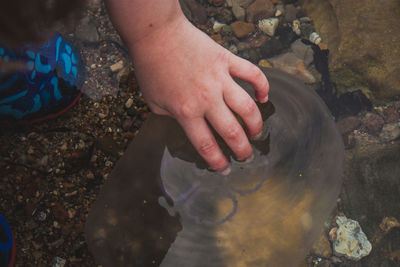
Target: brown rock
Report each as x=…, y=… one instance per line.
x=59, y=212
x=348, y=124
x=260, y=9
x=218, y=2
x=391, y=115
x=363, y=38
x=197, y=11
x=242, y=29
x=290, y=63
x=373, y=123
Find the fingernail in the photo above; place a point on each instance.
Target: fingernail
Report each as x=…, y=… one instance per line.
x=248, y=159
x=265, y=99
x=257, y=136
x=226, y=170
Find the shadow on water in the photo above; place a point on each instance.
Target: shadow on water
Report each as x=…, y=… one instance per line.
x=163, y=207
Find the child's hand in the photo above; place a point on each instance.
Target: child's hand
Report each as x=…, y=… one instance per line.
x=185, y=74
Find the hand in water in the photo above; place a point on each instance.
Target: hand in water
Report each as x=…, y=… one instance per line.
x=186, y=75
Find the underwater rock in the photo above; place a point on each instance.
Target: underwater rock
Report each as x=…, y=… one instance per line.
x=290, y=63
x=271, y=48
x=260, y=9
x=373, y=123
x=350, y=240
x=390, y=132
x=238, y=11
x=264, y=63
x=391, y=115
x=242, y=29
x=290, y=13
x=363, y=37
x=217, y=27
x=303, y=51
x=87, y=31
x=268, y=26
x=314, y=38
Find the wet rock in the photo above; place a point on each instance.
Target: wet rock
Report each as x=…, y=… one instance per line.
x=217, y=26
x=351, y=29
x=290, y=13
x=322, y=247
x=290, y=63
x=224, y=15
x=303, y=51
x=390, y=132
x=348, y=124
x=197, y=11
x=238, y=11
x=264, y=63
x=129, y=103
x=260, y=9
x=391, y=115
x=117, y=66
x=108, y=145
x=87, y=31
x=271, y=48
x=286, y=35
x=350, y=241
x=373, y=123
x=242, y=29
x=268, y=26
x=59, y=212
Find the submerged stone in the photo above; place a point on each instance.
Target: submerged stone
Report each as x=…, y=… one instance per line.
x=350, y=241
x=163, y=207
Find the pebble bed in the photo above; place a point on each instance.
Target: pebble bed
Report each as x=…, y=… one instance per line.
x=52, y=172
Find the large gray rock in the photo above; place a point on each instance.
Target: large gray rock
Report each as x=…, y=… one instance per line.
x=363, y=38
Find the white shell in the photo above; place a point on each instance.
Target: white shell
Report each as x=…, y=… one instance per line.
x=350, y=240
x=296, y=26
x=268, y=26
x=218, y=26
x=314, y=38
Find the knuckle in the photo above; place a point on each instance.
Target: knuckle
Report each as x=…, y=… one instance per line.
x=186, y=110
x=207, y=148
x=249, y=108
x=233, y=133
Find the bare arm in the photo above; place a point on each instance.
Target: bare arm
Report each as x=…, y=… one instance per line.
x=184, y=74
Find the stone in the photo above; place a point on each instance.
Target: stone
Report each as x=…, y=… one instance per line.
x=117, y=66
x=290, y=13
x=350, y=241
x=217, y=26
x=390, y=132
x=264, y=63
x=87, y=31
x=348, y=124
x=322, y=247
x=260, y=9
x=391, y=115
x=373, y=123
x=271, y=48
x=290, y=63
x=242, y=29
x=218, y=2
x=303, y=51
x=268, y=26
x=363, y=38
x=224, y=15
x=238, y=11
x=241, y=3
x=197, y=12
x=129, y=103
x=286, y=35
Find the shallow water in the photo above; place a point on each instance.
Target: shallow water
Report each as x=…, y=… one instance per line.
x=163, y=207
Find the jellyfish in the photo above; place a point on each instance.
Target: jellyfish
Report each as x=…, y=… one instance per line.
x=163, y=207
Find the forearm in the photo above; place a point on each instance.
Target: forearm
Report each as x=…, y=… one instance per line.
x=138, y=21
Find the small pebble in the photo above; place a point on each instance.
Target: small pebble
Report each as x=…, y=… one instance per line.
x=117, y=66
x=129, y=103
